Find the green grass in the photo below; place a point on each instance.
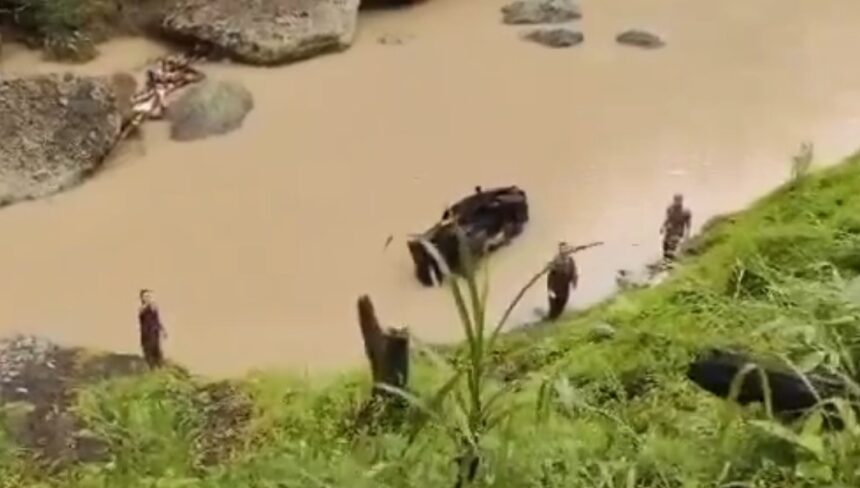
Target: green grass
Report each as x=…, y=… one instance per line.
x=576, y=412
x=69, y=30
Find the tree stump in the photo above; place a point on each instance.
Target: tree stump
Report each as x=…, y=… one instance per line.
x=387, y=351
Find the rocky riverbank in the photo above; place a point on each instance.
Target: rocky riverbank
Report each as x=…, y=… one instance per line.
x=38, y=383
x=604, y=391
x=41, y=384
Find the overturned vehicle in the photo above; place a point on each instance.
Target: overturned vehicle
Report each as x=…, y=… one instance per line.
x=488, y=219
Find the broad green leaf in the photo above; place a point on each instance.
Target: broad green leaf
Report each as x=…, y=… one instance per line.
x=776, y=430
x=810, y=361
x=814, y=470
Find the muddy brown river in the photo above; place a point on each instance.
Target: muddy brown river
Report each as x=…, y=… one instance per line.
x=258, y=243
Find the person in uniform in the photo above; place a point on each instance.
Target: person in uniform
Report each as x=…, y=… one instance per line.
x=562, y=277
x=676, y=227
x=152, y=332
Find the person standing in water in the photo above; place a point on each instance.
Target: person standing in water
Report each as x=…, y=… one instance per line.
x=562, y=277
x=676, y=226
x=151, y=330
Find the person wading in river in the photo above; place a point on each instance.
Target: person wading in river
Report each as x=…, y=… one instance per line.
x=676, y=227
x=151, y=330
x=561, y=278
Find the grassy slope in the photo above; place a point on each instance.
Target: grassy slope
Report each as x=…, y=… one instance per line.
x=619, y=412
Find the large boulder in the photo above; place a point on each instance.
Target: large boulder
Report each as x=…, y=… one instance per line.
x=540, y=12
x=54, y=131
x=265, y=32
x=210, y=108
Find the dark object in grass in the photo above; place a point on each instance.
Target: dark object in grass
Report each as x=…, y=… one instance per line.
x=386, y=350
x=489, y=219
x=791, y=397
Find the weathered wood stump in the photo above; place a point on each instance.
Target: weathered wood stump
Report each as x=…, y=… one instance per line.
x=388, y=354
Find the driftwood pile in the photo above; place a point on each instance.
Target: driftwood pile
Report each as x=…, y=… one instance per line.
x=168, y=75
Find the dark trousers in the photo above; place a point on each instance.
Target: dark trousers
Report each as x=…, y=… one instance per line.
x=670, y=246
x=557, y=302
x=151, y=345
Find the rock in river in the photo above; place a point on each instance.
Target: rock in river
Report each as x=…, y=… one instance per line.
x=555, y=37
x=54, y=131
x=211, y=108
x=265, y=32
x=640, y=38
x=540, y=12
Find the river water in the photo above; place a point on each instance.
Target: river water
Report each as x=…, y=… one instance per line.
x=257, y=244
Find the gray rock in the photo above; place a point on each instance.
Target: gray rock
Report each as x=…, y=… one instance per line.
x=555, y=37
x=210, y=108
x=55, y=130
x=640, y=38
x=266, y=32
x=540, y=12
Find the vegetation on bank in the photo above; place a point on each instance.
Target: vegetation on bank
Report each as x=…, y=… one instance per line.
x=70, y=29
x=558, y=406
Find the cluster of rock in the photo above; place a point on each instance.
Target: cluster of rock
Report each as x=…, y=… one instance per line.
x=58, y=129
x=521, y=12
x=533, y=12
x=17, y=353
